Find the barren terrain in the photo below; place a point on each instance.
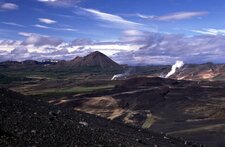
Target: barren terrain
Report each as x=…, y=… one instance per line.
x=192, y=109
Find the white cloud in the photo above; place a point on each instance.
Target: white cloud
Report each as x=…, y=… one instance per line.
x=8, y=6
x=210, y=31
x=39, y=40
x=181, y=15
x=47, y=0
x=13, y=24
x=148, y=59
x=19, y=50
x=81, y=42
x=113, y=19
x=28, y=34
x=25, y=34
x=41, y=26
x=8, y=45
x=61, y=3
x=134, y=36
x=46, y=20
x=133, y=33
x=145, y=16
x=108, y=49
x=9, y=42
x=168, y=48
x=55, y=29
x=67, y=29
x=174, y=16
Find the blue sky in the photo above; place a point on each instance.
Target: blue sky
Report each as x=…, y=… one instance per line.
x=131, y=32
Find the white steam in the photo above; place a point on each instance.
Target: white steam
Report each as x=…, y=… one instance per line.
x=122, y=76
x=178, y=65
x=118, y=76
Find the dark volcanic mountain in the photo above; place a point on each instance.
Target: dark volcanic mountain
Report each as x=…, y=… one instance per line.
x=95, y=59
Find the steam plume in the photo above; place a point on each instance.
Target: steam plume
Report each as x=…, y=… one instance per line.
x=118, y=76
x=178, y=65
x=122, y=76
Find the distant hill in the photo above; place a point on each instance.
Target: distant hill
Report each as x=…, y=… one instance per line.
x=94, y=59
x=30, y=62
x=10, y=63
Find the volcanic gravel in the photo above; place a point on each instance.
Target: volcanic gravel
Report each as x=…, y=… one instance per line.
x=25, y=121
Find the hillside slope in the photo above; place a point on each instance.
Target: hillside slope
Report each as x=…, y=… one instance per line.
x=28, y=122
x=207, y=71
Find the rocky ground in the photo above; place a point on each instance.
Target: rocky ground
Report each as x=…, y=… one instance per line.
x=26, y=121
x=194, y=110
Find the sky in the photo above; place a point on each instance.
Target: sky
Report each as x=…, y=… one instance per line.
x=134, y=32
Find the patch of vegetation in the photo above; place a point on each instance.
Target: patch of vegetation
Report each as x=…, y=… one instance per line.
x=58, y=72
x=73, y=90
x=7, y=80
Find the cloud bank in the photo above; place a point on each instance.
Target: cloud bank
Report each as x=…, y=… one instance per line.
x=133, y=47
